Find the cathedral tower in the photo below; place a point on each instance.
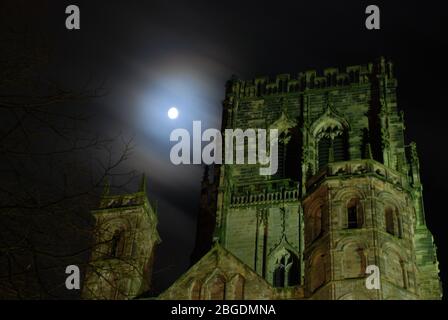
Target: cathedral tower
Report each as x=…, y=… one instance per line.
x=347, y=194
x=125, y=238
x=346, y=197
x=363, y=208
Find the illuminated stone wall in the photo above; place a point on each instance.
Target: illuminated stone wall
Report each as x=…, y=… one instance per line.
x=344, y=156
x=125, y=237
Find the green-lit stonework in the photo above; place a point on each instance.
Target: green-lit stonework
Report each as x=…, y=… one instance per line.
x=126, y=235
x=347, y=195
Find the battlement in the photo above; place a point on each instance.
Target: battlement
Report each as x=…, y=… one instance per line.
x=312, y=79
x=124, y=200
x=118, y=201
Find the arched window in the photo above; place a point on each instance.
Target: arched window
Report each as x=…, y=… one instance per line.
x=294, y=271
x=279, y=276
x=288, y=147
x=216, y=288
x=314, y=223
x=395, y=269
x=339, y=148
x=117, y=244
x=393, y=222
x=352, y=217
x=332, y=147
x=324, y=151
x=354, y=214
x=390, y=226
x=287, y=271
x=330, y=132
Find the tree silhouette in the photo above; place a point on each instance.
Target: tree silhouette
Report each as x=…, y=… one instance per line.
x=52, y=165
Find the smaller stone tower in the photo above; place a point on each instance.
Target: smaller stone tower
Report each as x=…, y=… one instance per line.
x=125, y=236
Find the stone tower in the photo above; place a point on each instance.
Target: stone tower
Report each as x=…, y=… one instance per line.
x=125, y=238
x=347, y=194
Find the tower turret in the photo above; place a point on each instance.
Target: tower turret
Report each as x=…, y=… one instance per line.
x=125, y=237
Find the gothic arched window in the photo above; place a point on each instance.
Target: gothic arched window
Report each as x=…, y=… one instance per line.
x=339, y=148
x=332, y=148
x=287, y=271
x=330, y=132
x=324, y=151
x=289, y=146
x=216, y=288
x=279, y=276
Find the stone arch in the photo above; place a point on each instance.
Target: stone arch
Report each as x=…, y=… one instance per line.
x=353, y=253
x=314, y=220
x=329, y=119
x=393, y=221
x=343, y=242
x=394, y=265
x=215, y=286
x=317, y=270
x=289, y=139
x=387, y=198
x=195, y=289
x=284, y=267
x=235, y=288
x=393, y=214
x=109, y=226
x=354, y=260
x=346, y=198
x=329, y=135
x=347, y=193
x=391, y=247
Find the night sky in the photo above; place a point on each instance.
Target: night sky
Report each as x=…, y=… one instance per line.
x=151, y=55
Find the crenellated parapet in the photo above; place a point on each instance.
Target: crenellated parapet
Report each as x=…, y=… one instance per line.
x=124, y=200
x=313, y=79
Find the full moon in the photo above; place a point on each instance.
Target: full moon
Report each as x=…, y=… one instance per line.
x=173, y=113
